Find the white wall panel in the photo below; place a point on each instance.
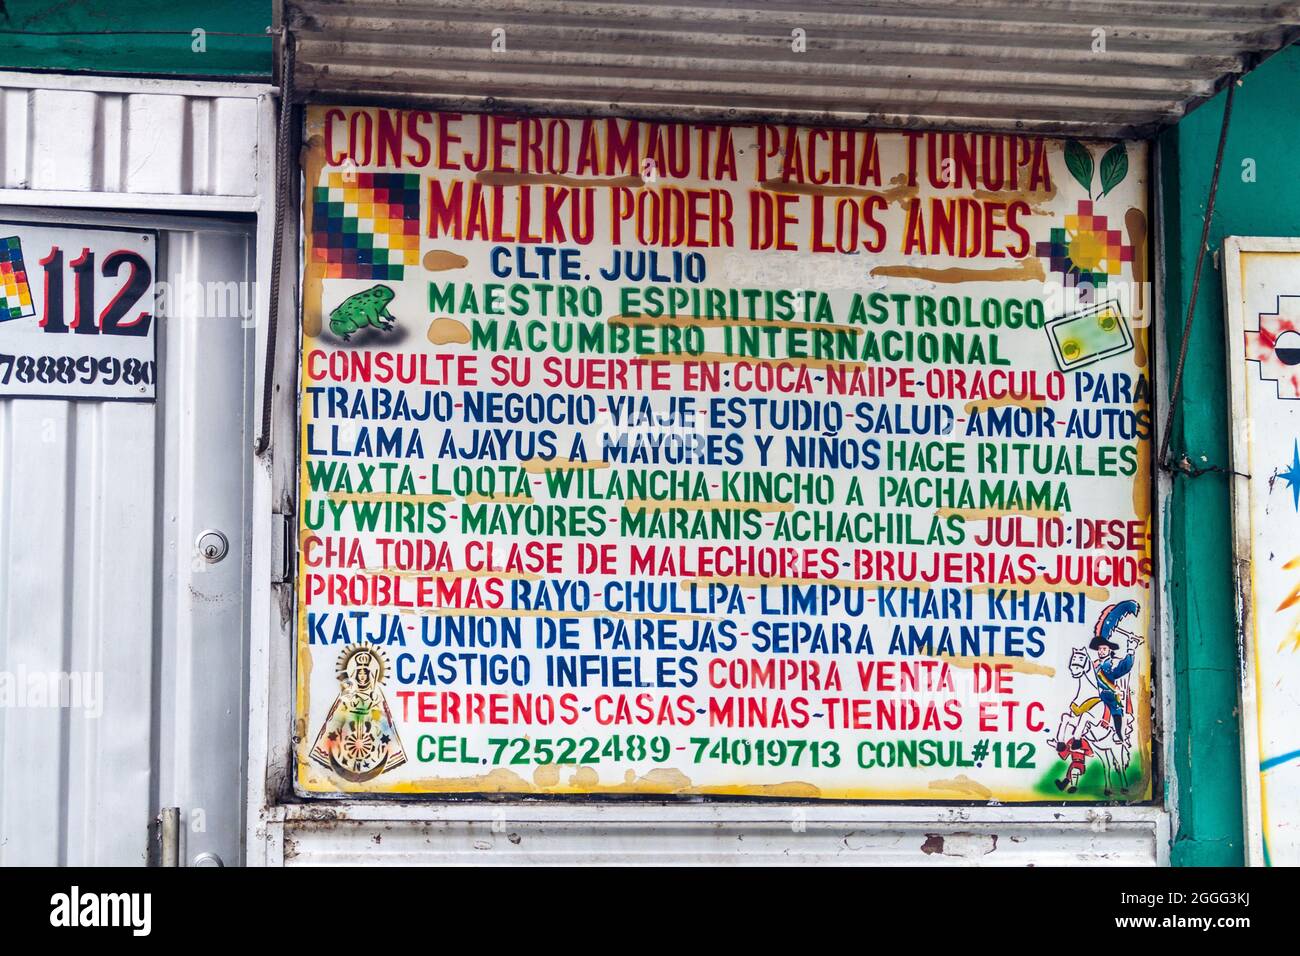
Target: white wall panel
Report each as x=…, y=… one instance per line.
x=100, y=502
x=118, y=141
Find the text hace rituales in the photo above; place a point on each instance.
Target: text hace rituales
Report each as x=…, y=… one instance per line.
x=691, y=459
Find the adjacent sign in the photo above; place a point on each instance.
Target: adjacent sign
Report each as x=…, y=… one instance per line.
x=77, y=312
x=1262, y=292
x=680, y=459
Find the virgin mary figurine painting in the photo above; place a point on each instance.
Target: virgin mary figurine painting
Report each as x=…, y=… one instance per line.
x=359, y=741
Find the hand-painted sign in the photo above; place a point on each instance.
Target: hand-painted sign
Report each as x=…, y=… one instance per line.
x=692, y=459
x=76, y=312
x=1262, y=293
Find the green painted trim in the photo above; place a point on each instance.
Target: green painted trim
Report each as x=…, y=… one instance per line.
x=1198, y=523
x=95, y=42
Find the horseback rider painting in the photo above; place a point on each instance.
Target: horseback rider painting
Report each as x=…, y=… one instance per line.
x=1109, y=669
x=1099, y=720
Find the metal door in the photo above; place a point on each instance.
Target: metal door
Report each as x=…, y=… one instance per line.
x=102, y=506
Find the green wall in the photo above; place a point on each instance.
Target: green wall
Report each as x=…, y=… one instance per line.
x=76, y=35
x=1265, y=127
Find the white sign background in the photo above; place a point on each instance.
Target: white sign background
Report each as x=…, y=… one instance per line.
x=992, y=755
x=107, y=274
x=1262, y=295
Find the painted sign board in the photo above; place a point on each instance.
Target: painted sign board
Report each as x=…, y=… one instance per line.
x=680, y=459
x=1262, y=293
x=77, y=312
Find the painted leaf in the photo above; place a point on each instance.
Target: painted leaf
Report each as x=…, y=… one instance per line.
x=1114, y=167
x=1079, y=162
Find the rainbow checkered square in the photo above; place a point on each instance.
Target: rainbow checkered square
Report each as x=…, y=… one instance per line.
x=366, y=225
x=16, y=297
x=1086, y=252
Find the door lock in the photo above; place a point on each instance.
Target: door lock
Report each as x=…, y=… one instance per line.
x=212, y=545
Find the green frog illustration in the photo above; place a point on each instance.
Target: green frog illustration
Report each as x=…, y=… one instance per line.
x=367, y=309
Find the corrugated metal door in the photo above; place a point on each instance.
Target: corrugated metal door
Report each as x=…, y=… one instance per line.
x=101, y=505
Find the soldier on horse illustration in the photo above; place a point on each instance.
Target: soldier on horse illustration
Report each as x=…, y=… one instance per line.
x=1099, y=720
